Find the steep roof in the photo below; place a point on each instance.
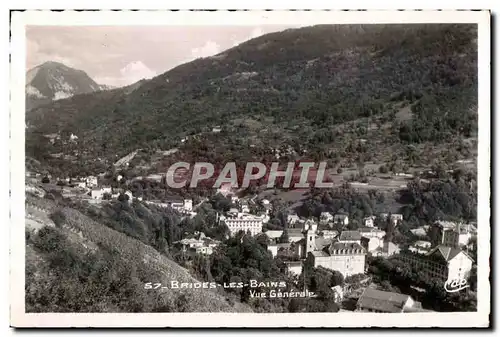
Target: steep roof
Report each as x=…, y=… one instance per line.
x=350, y=236
x=273, y=234
x=369, y=230
x=345, y=248
x=448, y=253
x=382, y=300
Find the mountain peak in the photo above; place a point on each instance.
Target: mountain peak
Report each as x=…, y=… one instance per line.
x=53, y=80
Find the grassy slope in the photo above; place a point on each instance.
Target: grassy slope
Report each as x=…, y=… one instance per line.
x=134, y=261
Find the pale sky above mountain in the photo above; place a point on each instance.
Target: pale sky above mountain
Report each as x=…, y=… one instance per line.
x=122, y=55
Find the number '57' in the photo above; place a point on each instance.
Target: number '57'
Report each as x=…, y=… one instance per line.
x=151, y=285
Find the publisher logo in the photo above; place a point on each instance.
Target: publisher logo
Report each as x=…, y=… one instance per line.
x=454, y=285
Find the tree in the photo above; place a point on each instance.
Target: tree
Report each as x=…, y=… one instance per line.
x=45, y=180
x=123, y=197
x=383, y=169
x=284, y=237
x=58, y=217
x=337, y=279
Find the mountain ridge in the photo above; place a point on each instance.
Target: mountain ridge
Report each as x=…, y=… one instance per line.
x=53, y=81
x=299, y=84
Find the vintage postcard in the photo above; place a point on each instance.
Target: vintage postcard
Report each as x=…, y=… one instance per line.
x=250, y=169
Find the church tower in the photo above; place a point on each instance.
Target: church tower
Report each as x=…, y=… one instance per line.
x=311, y=236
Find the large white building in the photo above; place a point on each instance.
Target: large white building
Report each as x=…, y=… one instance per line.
x=444, y=262
x=346, y=258
x=245, y=223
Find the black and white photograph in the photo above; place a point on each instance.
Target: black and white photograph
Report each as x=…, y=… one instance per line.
x=204, y=169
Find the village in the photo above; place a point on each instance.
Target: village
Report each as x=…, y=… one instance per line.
x=325, y=241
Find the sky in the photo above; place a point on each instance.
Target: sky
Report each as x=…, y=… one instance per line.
x=122, y=55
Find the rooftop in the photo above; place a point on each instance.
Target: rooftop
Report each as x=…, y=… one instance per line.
x=382, y=300
x=446, y=224
x=273, y=234
x=336, y=248
x=369, y=230
x=350, y=236
x=421, y=243
x=448, y=253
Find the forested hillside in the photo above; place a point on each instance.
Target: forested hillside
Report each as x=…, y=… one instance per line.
x=397, y=84
x=80, y=265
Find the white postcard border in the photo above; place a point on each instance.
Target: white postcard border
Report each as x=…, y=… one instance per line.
x=17, y=152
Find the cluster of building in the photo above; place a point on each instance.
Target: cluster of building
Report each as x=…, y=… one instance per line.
x=444, y=256
x=181, y=205
x=327, y=218
x=83, y=182
x=240, y=219
x=345, y=251
x=453, y=234
x=198, y=243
